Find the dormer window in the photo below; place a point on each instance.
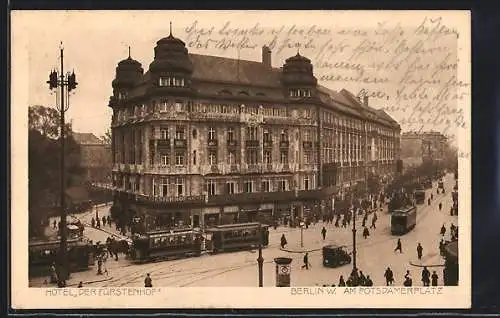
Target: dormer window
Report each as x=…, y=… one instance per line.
x=297, y=93
x=178, y=106
x=163, y=106
x=171, y=81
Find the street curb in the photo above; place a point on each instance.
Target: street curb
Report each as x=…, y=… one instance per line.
x=303, y=251
x=432, y=265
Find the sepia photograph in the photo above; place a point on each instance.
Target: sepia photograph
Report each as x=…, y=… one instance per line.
x=191, y=159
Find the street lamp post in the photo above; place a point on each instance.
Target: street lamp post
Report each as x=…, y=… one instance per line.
x=55, y=81
x=353, y=232
x=260, y=259
x=301, y=234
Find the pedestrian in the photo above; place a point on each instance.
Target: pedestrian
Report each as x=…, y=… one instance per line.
x=53, y=274
x=103, y=220
x=434, y=278
x=365, y=218
x=366, y=233
x=440, y=206
x=80, y=284
x=344, y=222
x=337, y=221
x=92, y=222
x=341, y=281
x=109, y=220
x=432, y=196
x=98, y=223
x=283, y=241
x=368, y=281
x=323, y=233
x=374, y=219
x=443, y=230
x=419, y=251
x=441, y=247
x=426, y=277
x=306, y=261
x=389, y=276
x=362, y=279
x=451, y=211
x=399, y=247
x=55, y=224
x=147, y=281
x=428, y=201
x=99, y=266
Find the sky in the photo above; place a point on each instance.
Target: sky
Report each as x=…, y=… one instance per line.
x=404, y=53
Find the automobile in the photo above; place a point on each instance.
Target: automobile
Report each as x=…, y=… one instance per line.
x=335, y=256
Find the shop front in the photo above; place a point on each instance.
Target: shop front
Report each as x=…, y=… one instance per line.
x=249, y=213
x=211, y=216
x=230, y=215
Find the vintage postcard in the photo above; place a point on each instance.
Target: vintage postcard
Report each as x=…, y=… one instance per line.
x=241, y=159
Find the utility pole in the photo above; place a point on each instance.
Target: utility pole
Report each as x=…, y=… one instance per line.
x=55, y=81
x=260, y=259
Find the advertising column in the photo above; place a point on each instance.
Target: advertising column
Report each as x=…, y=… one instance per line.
x=283, y=270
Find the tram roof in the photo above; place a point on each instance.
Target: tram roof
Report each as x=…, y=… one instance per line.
x=404, y=210
x=238, y=226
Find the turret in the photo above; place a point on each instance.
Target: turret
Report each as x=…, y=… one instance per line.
x=298, y=78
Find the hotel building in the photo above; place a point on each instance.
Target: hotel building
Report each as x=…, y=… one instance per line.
x=203, y=140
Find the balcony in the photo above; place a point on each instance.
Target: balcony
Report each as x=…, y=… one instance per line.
x=233, y=168
x=180, y=143
x=163, y=143
x=253, y=168
x=284, y=144
x=232, y=143
x=307, y=144
x=268, y=143
x=212, y=143
x=252, y=143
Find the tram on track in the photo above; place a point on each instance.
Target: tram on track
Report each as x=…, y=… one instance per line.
x=164, y=244
x=419, y=196
x=42, y=254
x=233, y=237
x=403, y=220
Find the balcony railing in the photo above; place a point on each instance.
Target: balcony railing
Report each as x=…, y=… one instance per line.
x=253, y=168
x=164, y=143
x=252, y=143
x=268, y=143
x=212, y=143
x=284, y=144
x=180, y=143
x=307, y=144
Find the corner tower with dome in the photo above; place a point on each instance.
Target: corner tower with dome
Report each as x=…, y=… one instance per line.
x=200, y=140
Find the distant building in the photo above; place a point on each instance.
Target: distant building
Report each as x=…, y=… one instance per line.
x=95, y=157
x=416, y=147
x=199, y=138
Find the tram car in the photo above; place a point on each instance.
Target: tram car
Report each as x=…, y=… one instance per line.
x=233, y=237
x=419, y=196
x=42, y=254
x=158, y=245
x=403, y=220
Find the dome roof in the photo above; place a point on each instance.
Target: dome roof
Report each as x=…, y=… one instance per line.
x=298, y=58
x=129, y=62
x=128, y=72
x=298, y=70
x=171, y=55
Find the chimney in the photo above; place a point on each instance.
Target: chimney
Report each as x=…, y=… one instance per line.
x=266, y=56
x=365, y=100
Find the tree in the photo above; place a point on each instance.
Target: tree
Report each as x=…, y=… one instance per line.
x=106, y=138
x=44, y=158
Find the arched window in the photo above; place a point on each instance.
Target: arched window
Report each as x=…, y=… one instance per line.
x=243, y=93
x=225, y=92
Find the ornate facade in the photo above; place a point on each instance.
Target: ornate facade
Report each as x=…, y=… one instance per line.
x=202, y=139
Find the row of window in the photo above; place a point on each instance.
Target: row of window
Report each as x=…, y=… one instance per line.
x=171, y=81
x=252, y=157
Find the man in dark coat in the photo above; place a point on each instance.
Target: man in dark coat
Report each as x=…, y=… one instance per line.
x=399, y=247
x=443, y=230
x=366, y=233
x=306, y=261
x=323, y=233
x=368, y=281
x=440, y=206
x=434, y=278
x=389, y=276
x=426, y=277
x=283, y=241
x=419, y=251
x=147, y=281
